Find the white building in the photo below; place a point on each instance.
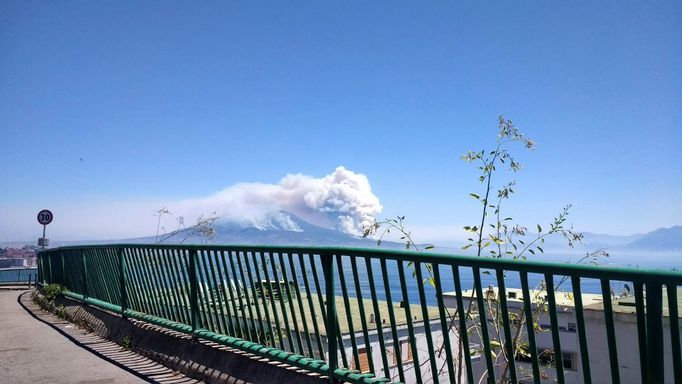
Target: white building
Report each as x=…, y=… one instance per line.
x=625, y=326
x=407, y=360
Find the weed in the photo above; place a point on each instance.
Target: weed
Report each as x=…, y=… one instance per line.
x=126, y=342
x=52, y=291
x=61, y=312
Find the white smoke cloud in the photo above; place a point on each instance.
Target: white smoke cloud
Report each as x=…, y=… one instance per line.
x=342, y=200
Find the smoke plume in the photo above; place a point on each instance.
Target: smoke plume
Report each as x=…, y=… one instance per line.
x=342, y=200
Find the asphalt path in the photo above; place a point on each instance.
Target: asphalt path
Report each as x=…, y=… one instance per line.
x=37, y=347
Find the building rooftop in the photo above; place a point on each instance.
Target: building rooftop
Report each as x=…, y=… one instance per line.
x=354, y=309
x=565, y=300
x=627, y=304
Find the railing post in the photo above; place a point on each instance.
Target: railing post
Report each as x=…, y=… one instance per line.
x=85, y=274
x=654, y=332
x=328, y=273
x=193, y=288
x=49, y=266
x=63, y=275
x=84, y=265
x=122, y=282
x=41, y=266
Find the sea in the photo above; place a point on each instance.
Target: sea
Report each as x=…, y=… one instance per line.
x=635, y=260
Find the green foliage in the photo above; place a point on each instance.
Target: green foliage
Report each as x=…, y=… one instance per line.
x=496, y=235
x=46, y=297
x=52, y=291
x=61, y=312
x=204, y=228
x=126, y=342
x=40, y=300
x=502, y=238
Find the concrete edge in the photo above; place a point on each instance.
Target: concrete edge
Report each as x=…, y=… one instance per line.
x=198, y=359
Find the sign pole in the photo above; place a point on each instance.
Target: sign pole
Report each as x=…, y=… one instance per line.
x=44, y=226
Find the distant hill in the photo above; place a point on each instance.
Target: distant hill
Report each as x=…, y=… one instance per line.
x=284, y=228
x=276, y=228
x=660, y=239
x=596, y=241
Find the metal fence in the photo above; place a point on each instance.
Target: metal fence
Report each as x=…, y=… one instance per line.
x=17, y=275
x=372, y=315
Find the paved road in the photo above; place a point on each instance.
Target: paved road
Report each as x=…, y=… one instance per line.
x=34, y=351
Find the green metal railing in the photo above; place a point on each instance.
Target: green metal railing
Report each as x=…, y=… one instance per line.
x=371, y=315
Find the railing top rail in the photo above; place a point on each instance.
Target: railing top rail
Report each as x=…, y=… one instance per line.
x=529, y=266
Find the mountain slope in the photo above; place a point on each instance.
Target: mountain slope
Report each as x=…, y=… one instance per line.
x=660, y=239
x=276, y=228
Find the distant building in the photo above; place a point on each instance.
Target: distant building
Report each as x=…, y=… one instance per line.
x=375, y=352
x=625, y=323
x=370, y=352
x=25, y=257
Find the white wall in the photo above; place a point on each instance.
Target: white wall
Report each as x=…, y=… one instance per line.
x=625, y=326
x=408, y=368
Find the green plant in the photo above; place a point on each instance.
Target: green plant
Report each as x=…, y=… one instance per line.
x=61, y=312
x=39, y=299
x=126, y=342
x=204, y=228
x=52, y=291
x=495, y=235
x=501, y=237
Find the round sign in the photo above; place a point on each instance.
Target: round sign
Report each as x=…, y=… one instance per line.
x=45, y=217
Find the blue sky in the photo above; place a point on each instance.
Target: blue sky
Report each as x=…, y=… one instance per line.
x=169, y=101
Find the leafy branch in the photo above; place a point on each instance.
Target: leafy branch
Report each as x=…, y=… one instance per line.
x=204, y=228
x=499, y=238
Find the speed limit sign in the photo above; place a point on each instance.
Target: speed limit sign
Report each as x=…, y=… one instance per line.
x=45, y=217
